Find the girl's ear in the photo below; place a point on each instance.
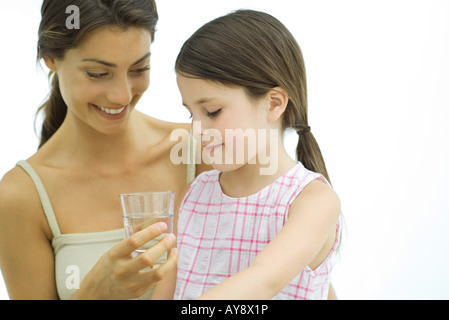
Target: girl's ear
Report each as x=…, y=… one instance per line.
x=278, y=100
x=50, y=62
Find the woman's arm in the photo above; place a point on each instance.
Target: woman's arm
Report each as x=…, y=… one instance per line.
x=26, y=255
x=27, y=259
x=309, y=228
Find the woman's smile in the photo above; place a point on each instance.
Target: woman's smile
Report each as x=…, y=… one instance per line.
x=112, y=113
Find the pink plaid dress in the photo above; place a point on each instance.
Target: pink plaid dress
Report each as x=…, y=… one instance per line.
x=219, y=236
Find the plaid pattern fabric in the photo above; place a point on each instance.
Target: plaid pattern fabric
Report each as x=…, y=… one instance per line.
x=219, y=236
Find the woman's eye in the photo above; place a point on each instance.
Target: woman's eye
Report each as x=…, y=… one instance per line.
x=213, y=114
x=141, y=70
x=96, y=75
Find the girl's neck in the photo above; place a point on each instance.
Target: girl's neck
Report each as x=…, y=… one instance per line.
x=248, y=180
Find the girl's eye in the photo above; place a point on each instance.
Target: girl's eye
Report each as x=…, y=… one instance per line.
x=213, y=114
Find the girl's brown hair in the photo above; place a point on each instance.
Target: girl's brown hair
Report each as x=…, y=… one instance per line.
x=55, y=38
x=256, y=51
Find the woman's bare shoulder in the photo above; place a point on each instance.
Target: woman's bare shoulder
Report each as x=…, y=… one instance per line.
x=14, y=185
x=165, y=126
x=179, y=133
x=18, y=197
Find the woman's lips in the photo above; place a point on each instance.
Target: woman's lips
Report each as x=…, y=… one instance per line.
x=113, y=113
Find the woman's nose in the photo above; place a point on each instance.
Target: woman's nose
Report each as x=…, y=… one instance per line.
x=120, y=92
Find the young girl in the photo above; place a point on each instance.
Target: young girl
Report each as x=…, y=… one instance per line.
x=243, y=234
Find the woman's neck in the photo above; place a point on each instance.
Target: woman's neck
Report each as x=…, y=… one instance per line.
x=76, y=142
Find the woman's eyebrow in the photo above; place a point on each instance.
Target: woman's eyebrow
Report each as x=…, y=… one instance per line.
x=108, y=64
x=113, y=65
x=141, y=59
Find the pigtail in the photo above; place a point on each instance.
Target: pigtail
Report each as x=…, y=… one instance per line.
x=309, y=154
x=54, y=110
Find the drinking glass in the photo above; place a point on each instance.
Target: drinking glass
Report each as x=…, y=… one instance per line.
x=145, y=208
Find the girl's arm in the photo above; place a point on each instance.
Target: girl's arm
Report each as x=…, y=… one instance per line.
x=308, y=235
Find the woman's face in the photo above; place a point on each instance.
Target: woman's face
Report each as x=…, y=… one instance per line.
x=103, y=78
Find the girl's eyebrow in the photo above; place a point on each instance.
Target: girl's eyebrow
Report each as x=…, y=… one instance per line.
x=201, y=101
x=113, y=65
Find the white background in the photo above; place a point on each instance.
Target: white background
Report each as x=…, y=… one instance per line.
x=378, y=81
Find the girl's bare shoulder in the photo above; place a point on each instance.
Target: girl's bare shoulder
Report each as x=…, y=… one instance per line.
x=318, y=196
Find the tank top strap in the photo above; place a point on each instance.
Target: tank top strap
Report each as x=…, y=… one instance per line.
x=45, y=201
x=191, y=164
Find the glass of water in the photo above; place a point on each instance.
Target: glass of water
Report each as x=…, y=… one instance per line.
x=146, y=208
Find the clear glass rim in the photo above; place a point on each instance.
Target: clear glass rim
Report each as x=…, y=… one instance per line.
x=145, y=193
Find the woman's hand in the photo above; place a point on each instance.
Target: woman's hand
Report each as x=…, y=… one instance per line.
x=117, y=275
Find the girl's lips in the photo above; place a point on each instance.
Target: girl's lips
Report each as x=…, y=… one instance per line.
x=210, y=148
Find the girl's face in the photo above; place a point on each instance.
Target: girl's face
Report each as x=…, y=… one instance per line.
x=103, y=78
x=226, y=121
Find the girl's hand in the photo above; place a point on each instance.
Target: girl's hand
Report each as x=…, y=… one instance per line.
x=119, y=276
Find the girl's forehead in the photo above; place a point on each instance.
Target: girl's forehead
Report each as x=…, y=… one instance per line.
x=200, y=91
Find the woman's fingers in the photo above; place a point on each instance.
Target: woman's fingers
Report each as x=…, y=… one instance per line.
x=149, y=257
x=117, y=275
x=128, y=245
x=162, y=270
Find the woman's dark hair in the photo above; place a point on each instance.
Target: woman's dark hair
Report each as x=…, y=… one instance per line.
x=55, y=38
x=254, y=50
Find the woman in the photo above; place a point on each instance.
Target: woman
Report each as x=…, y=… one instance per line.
x=61, y=228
